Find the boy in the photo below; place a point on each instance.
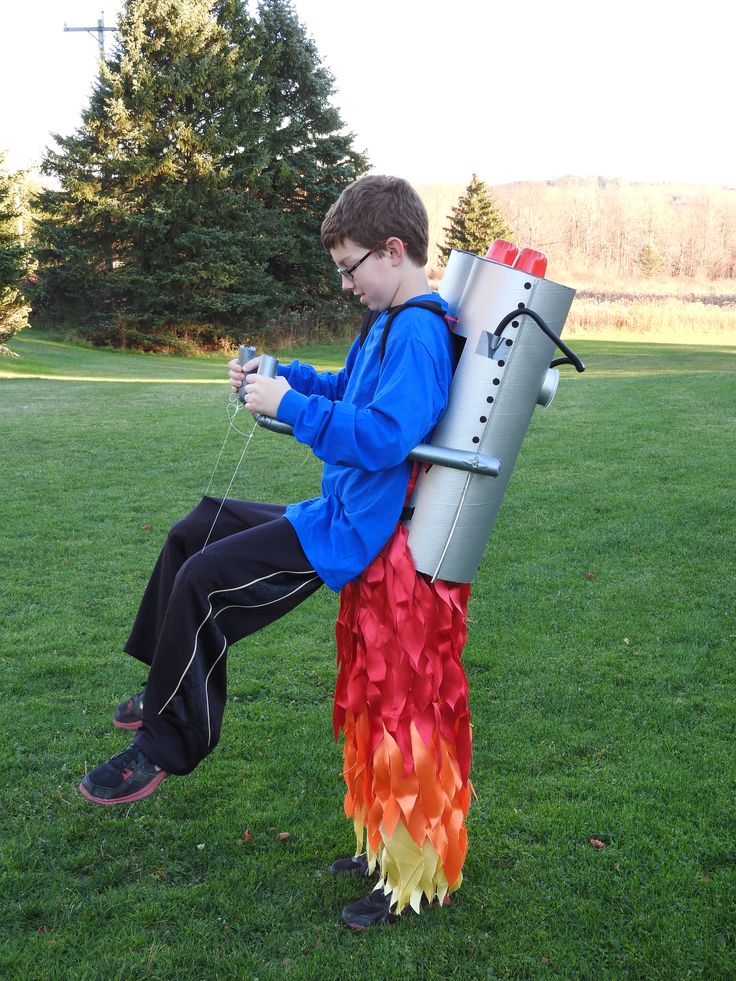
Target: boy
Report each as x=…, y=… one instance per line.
x=262, y=560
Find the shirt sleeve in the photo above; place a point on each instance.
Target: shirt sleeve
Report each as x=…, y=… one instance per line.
x=410, y=396
x=306, y=380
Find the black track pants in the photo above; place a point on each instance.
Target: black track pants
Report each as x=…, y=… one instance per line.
x=197, y=603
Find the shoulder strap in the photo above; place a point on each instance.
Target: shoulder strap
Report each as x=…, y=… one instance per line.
x=372, y=316
x=432, y=305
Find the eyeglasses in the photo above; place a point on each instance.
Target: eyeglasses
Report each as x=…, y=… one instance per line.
x=348, y=273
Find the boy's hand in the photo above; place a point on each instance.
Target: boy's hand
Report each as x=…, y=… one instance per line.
x=237, y=372
x=263, y=394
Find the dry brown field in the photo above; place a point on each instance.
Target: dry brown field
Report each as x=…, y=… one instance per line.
x=611, y=304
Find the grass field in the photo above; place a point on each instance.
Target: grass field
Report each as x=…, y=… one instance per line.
x=601, y=668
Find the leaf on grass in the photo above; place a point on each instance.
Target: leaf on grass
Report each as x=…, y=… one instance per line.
x=247, y=835
x=590, y=575
x=283, y=836
x=597, y=843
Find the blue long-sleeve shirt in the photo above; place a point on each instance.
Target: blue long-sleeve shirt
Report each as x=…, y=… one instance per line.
x=363, y=421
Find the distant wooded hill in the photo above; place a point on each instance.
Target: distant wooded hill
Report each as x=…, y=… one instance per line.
x=607, y=225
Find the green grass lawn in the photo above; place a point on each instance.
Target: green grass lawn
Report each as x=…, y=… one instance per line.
x=601, y=668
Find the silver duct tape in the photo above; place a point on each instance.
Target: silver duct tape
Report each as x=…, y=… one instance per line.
x=245, y=354
x=443, y=456
x=496, y=385
x=459, y=267
x=274, y=425
x=549, y=387
x=440, y=456
x=269, y=366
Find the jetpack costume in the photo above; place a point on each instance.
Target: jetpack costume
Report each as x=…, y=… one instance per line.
x=401, y=700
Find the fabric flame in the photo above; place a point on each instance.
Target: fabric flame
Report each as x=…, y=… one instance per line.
x=401, y=702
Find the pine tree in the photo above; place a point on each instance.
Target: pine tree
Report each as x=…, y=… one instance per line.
x=168, y=220
x=475, y=222
x=649, y=260
x=14, y=263
x=310, y=159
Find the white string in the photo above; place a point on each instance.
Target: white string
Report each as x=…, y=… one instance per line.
x=233, y=407
x=454, y=526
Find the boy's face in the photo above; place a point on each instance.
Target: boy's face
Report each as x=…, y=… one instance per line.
x=369, y=272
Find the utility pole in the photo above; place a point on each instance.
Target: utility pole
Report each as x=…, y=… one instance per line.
x=100, y=30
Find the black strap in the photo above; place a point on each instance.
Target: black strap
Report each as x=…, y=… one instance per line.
x=371, y=317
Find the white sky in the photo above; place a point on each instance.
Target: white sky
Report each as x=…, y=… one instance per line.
x=512, y=90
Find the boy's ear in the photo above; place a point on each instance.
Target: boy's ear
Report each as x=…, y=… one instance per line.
x=396, y=249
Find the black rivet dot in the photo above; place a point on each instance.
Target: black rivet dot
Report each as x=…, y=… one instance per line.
x=500, y=363
x=509, y=342
x=522, y=306
x=489, y=399
x=484, y=418
x=527, y=286
x=476, y=439
x=515, y=323
x=496, y=381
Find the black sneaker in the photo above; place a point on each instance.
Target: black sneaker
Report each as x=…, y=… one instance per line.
x=357, y=864
x=129, y=714
x=126, y=777
x=371, y=911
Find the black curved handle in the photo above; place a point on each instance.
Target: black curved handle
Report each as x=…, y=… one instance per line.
x=570, y=356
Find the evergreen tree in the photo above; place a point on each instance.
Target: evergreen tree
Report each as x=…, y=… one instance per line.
x=309, y=159
x=14, y=309
x=649, y=260
x=475, y=222
x=167, y=220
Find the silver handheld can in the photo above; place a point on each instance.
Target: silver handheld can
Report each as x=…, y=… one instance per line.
x=268, y=366
x=246, y=353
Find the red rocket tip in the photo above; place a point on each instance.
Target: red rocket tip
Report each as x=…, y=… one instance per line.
x=532, y=262
x=502, y=251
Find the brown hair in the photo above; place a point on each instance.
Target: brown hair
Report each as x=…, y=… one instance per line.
x=375, y=208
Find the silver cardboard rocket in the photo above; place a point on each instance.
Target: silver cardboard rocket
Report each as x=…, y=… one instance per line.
x=501, y=375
